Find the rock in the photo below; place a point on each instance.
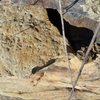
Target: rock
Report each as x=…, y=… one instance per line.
x=82, y=28
x=27, y=39
x=83, y=25
x=92, y=8
x=2, y=97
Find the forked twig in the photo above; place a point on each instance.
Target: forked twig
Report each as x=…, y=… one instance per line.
x=65, y=47
x=85, y=60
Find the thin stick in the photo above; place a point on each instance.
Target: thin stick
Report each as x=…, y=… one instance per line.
x=35, y=2
x=66, y=8
x=85, y=60
x=65, y=47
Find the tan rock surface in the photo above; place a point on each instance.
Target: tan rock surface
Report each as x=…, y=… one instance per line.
x=92, y=7
x=27, y=39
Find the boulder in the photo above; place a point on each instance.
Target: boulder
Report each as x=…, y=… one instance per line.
x=27, y=39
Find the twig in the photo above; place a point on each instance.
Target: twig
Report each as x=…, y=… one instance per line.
x=66, y=8
x=35, y=2
x=65, y=47
x=85, y=60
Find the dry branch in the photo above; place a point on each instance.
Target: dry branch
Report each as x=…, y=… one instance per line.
x=85, y=59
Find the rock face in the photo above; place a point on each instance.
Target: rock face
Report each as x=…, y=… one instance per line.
x=9, y=98
x=27, y=39
x=92, y=7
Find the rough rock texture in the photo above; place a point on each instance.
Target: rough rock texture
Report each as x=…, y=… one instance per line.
x=27, y=39
x=27, y=36
x=77, y=17
x=92, y=7
x=2, y=97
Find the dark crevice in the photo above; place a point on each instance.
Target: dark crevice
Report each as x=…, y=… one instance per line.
x=78, y=37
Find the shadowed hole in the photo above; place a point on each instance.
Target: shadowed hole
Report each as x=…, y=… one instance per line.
x=77, y=36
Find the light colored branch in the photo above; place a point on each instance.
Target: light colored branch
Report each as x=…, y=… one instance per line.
x=65, y=47
x=85, y=59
